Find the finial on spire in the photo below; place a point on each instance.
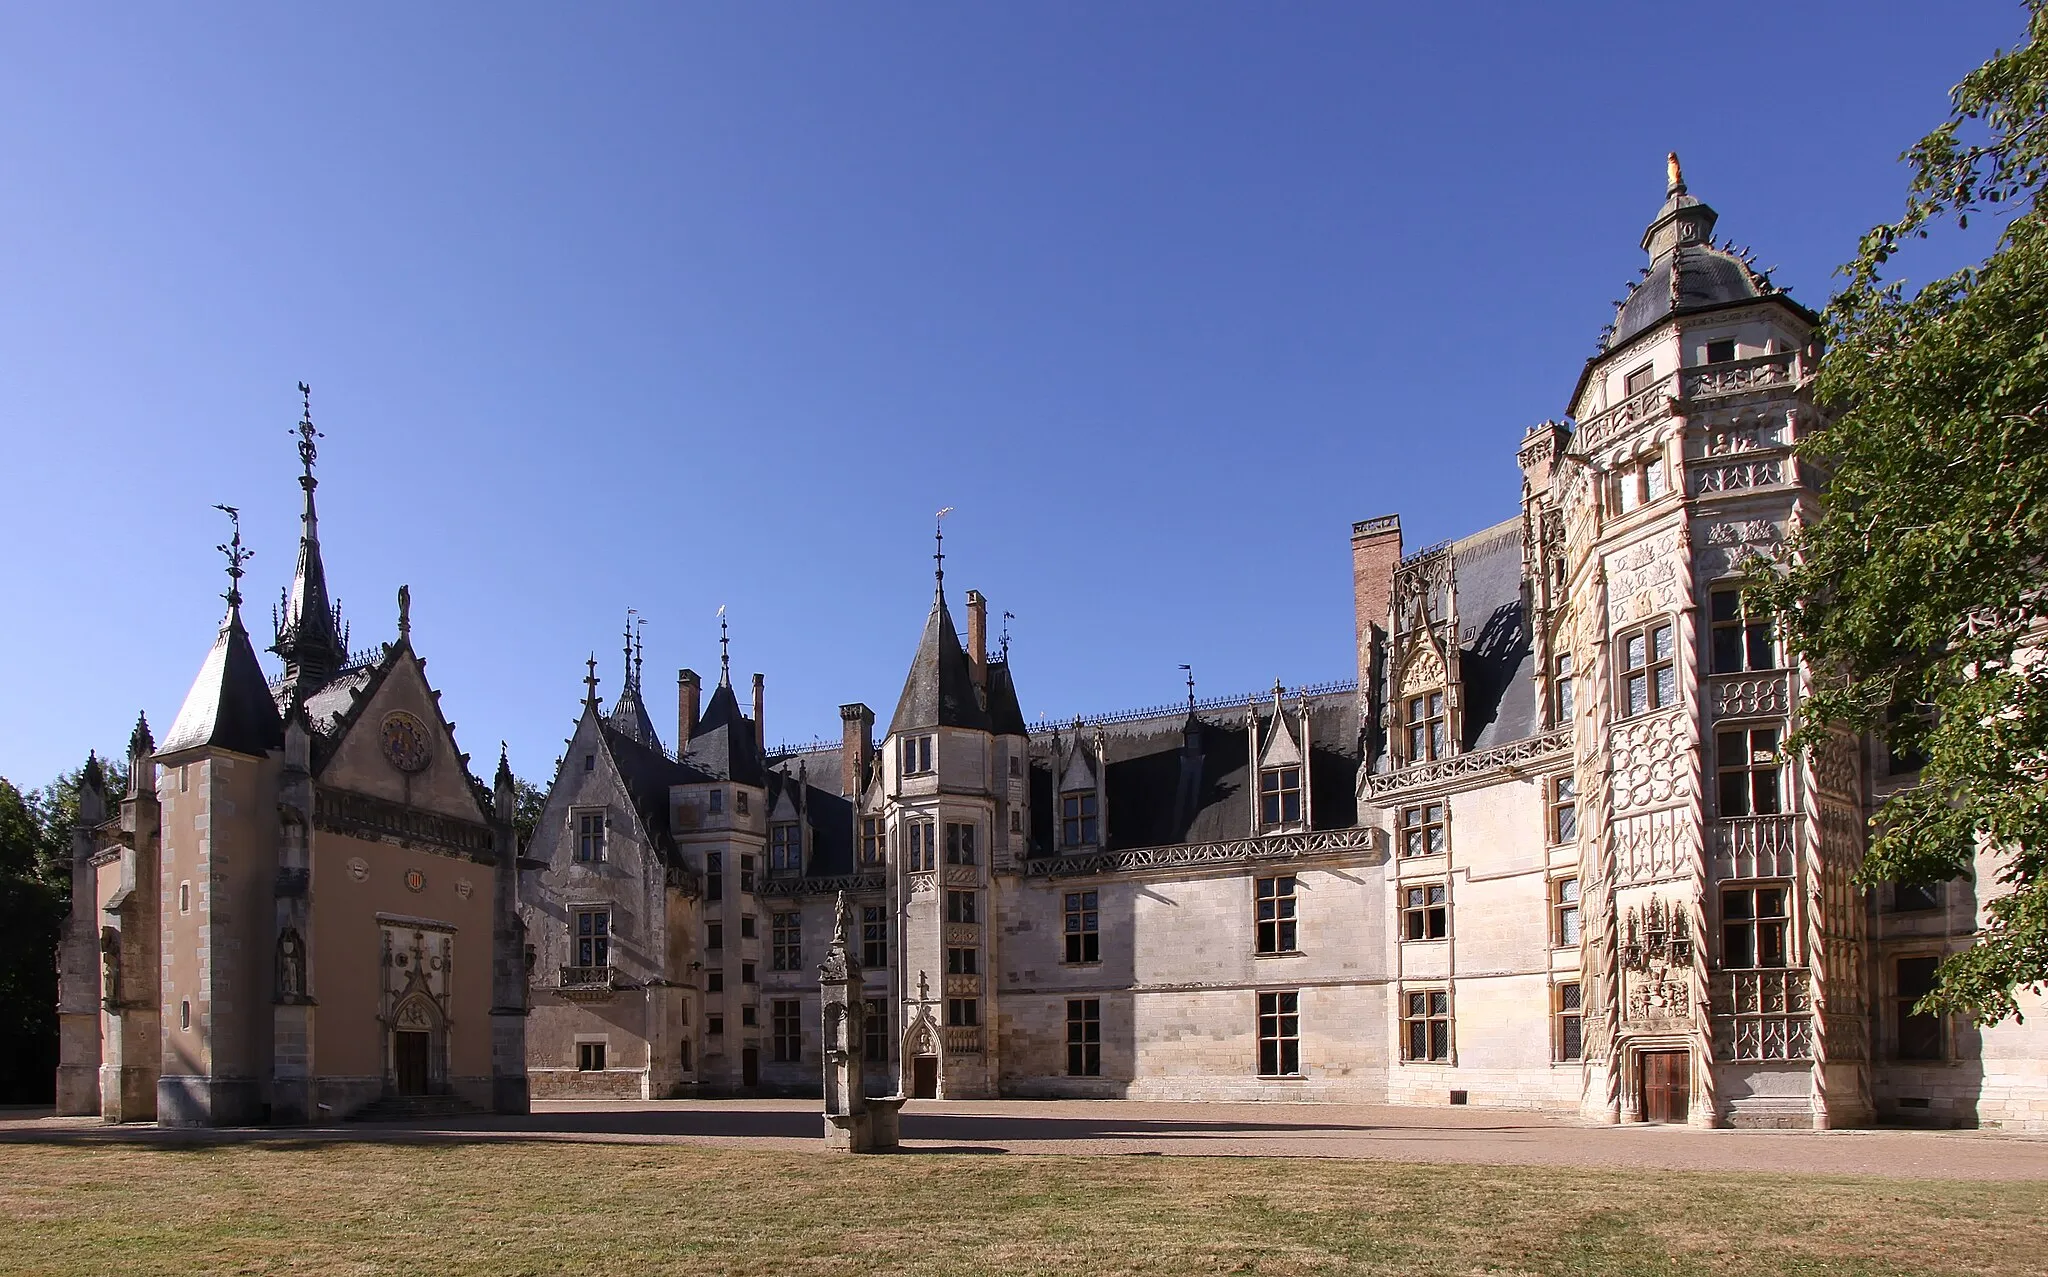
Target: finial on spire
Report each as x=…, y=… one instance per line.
x=630, y=614
x=639, y=648
x=1674, y=177
x=939, y=556
x=504, y=776
x=404, y=611
x=724, y=651
x=1189, y=670
x=140, y=742
x=308, y=451
x=1007, y=618
x=236, y=555
x=590, y=680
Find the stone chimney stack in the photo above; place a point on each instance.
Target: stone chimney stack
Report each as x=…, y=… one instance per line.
x=1375, y=553
x=857, y=747
x=688, y=689
x=977, y=636
x=760, y=724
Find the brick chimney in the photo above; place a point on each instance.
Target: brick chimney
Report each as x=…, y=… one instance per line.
x=688, y=689
x=977, y=636
x=1375, y=553
x=857, y=747
x=760, y=726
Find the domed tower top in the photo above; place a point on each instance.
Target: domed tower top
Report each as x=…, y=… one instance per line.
x=1686, y=272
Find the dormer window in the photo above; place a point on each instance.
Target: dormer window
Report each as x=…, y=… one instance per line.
x=1077, y=819
x=1427, y=733
x=1280, y=795
x=917, y=755
x=785, y=847
x=589, y=836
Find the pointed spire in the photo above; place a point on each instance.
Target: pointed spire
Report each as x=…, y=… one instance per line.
x=140, y=743
x=724, y=651
x=630, y=613
x=590, y=683
x=639, y=648
x=1189, y=670
x=309, y=633
x=504, y=776
x=93, y=777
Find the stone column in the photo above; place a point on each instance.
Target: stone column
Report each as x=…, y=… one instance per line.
x=78, y=968
x=510, y=1092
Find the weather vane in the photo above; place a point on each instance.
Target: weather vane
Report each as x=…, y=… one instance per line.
x=1190, y=671
x=1007, y=618
x=237, y=556
x=305, y=431
x=939, y=556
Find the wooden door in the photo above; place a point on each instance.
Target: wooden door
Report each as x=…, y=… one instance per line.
x=924, y=1077
x=750, y=1066
x=409, y=1054
x=1667, y=1085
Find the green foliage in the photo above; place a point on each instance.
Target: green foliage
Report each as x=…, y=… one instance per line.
x=529, y=799
x=35, y=891
x=1921, y=601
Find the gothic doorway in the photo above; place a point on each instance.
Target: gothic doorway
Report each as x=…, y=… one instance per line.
x=750, y=1066
x=924, y=1077
x=1667, y=1085
x=410, y=1049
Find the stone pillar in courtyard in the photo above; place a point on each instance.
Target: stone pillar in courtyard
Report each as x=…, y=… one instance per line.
x=854, y=1123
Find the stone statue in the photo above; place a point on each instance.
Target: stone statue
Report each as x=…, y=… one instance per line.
x=291, y=966
x=110, y=968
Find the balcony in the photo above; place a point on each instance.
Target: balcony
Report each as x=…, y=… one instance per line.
x=963, y=1040
x=1742, y=376
x=1755, y=846
x=589, y=984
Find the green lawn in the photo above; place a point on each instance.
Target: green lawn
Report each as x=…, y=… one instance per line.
x=532, y=1207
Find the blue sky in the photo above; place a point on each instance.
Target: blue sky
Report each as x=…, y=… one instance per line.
x=671, y=306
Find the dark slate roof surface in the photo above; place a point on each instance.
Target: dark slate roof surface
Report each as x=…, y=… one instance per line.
x=1006, y=716
x=726, y=745
x=829, y=817
x=647, y=774
x=939, y=690
x=1500, y=693
x=630, y=716
x=229, y=706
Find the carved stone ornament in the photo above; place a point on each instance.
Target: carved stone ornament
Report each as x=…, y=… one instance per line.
x=463, y=888
x=110, y=967
x=1643, y=579
x=291, y=966
x=358, y=868
x=415, y=880
x=1425, y=671
x=1652, y=763
x=405, y=741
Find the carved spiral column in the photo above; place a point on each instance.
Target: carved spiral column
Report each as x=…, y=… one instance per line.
x=1813, y=900
x=1590, y=634
x=1694, y=833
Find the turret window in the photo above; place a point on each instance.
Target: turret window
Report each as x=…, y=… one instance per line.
x=923, y=839
x=785, y=847
x=714, y=875
x=1564, y=809
x=746, y=872
x=961, y=907
x=1562, y=690
x=959, y=844
x=1753, y=925
x=1740, y=642
x=1747, y=767
x=917, y=755
x=1721, y=352
x=1077, y=820
x=1427, y=728
x=1648, y=677
x=1280, y=795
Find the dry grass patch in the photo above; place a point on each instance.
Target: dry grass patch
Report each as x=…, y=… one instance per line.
x=505, y=1207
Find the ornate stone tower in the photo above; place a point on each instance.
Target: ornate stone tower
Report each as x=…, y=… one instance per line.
x=1722, y=938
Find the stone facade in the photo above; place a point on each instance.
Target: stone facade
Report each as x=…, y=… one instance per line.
x=306, y=903
x=1542, y=853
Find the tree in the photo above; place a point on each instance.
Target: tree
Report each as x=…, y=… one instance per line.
x=35, y=892
x=1920, y=602
x=528, y=801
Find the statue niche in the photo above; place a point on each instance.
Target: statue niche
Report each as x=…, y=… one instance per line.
x=291, y=968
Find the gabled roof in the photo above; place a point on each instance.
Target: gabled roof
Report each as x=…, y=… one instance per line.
x=829, y=818
x=647, y=774
x=725, y=745
x=939, y=691
x=229, y=706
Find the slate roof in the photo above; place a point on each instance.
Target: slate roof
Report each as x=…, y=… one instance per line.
x=1500, y=691
x=829, y=817
x=629, y=716
x=1005, y=715
x=647, y=774
x=939, y=690
x=726, y=745
x=229, y=706
x=1157, y=791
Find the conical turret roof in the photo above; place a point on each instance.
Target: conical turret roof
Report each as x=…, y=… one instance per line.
x=939, y=690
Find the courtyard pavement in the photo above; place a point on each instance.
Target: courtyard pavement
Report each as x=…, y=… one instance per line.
x=1130, y=1127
